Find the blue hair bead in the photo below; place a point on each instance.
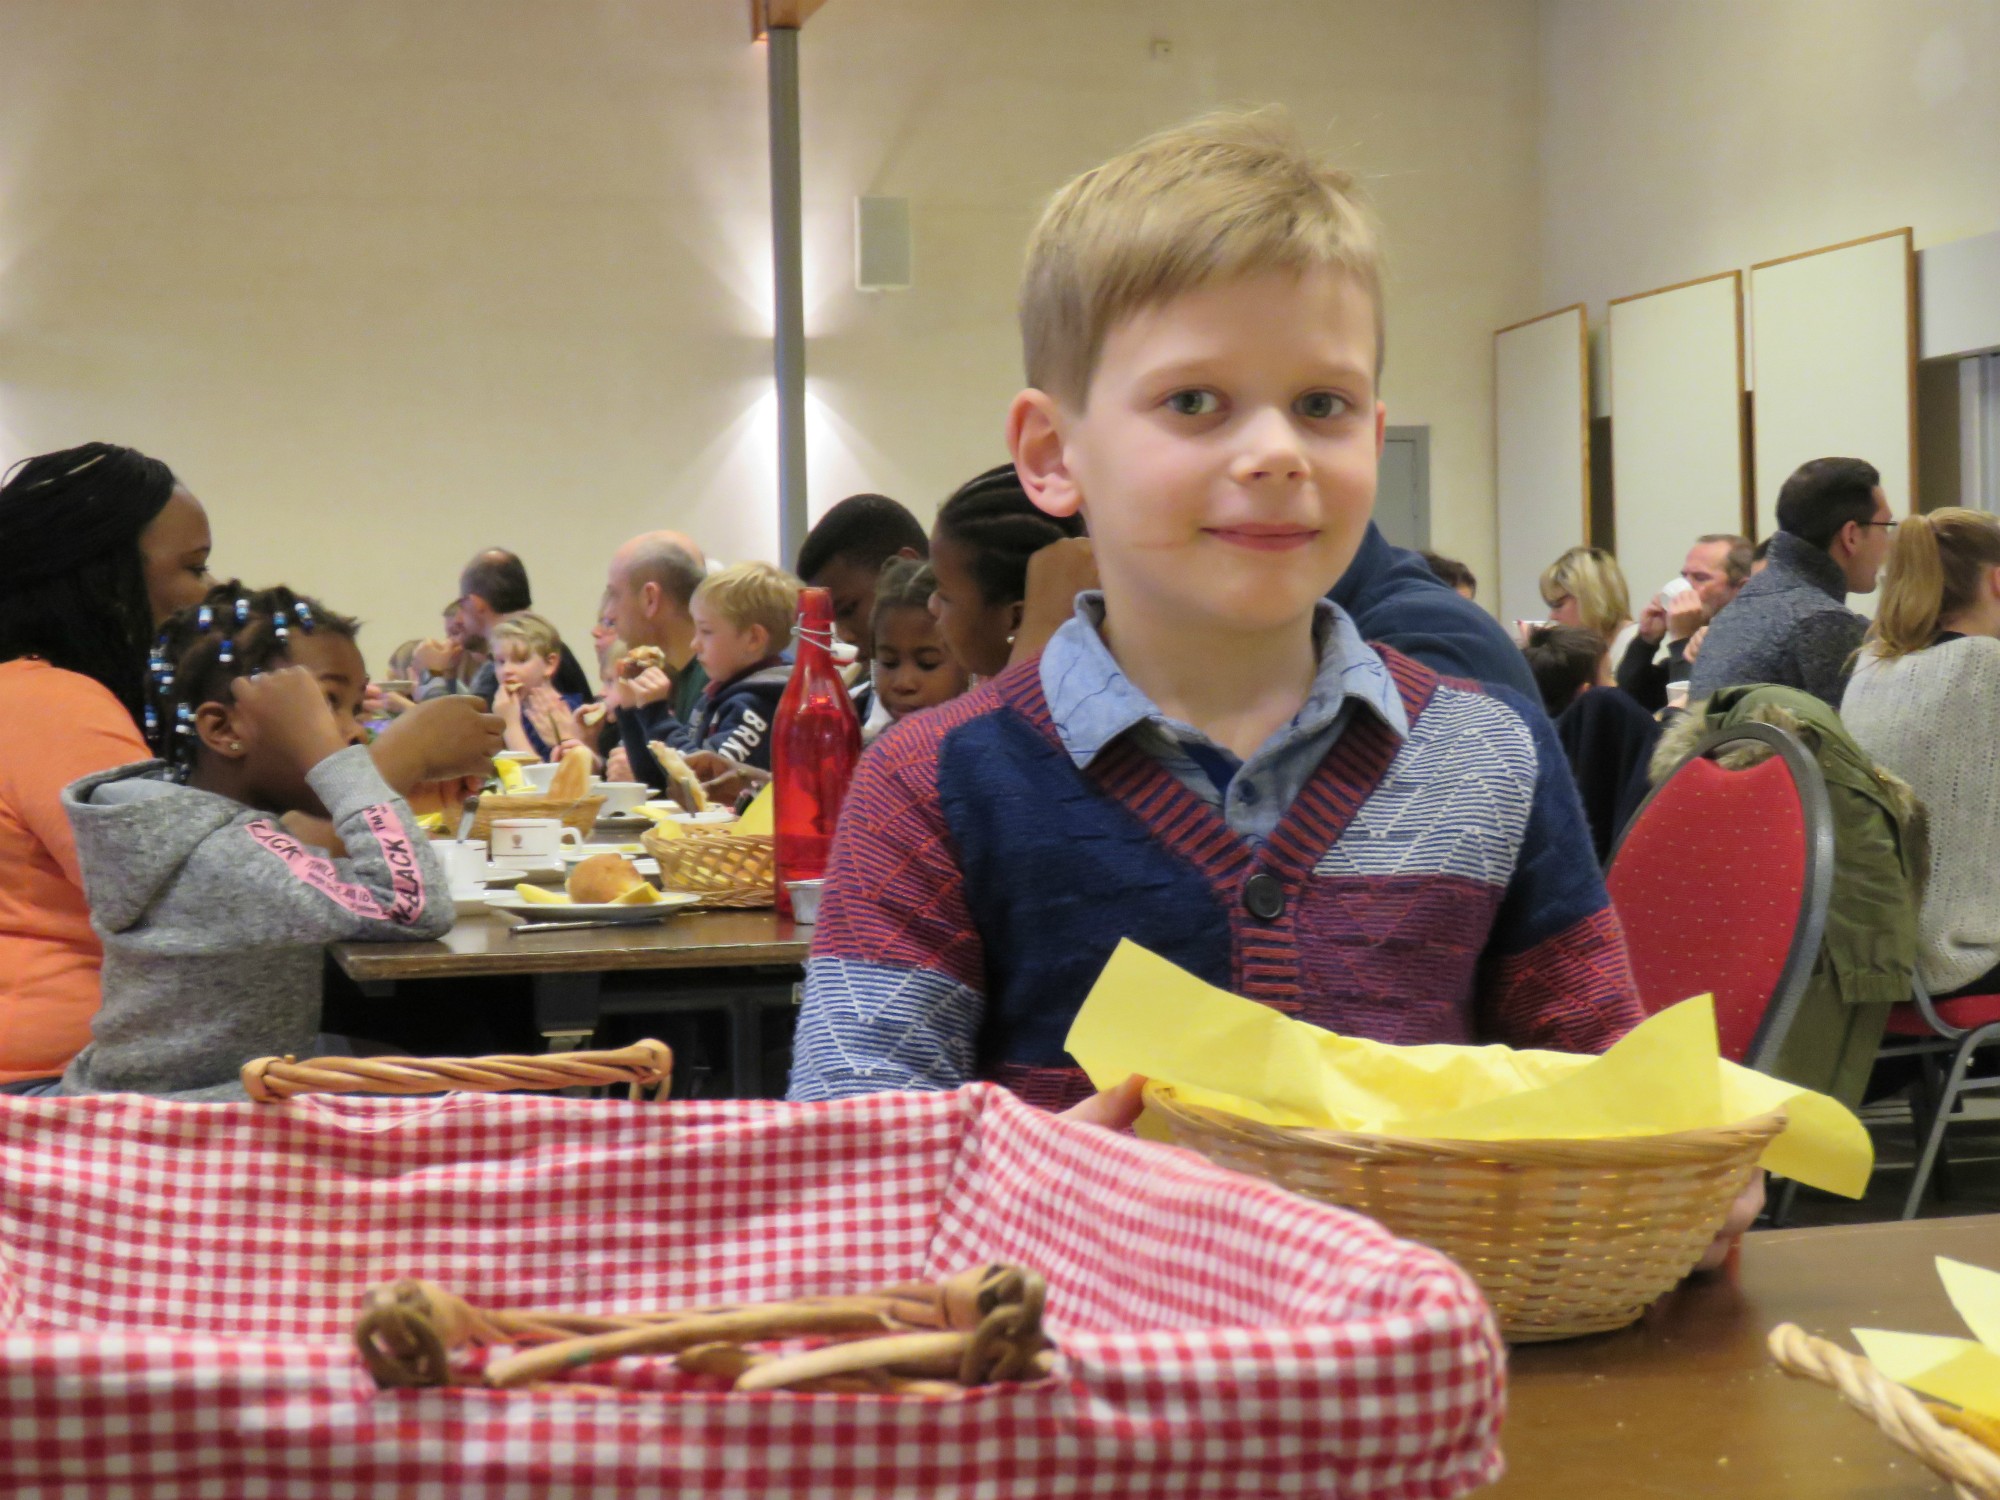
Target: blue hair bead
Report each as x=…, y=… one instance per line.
x=242, y=611
x=278, y=626
x=305, y=616
x=204, y=619
x=152, y=720
x=227, y=656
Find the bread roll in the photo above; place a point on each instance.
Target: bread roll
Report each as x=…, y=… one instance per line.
x=639, y=658
x=572, y=778
x=602, y=878
x=682, y=784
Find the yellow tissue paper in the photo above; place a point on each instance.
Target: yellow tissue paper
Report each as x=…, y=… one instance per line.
x=512, y=778
x=1146, y=1015
x=1961, y=1371
x=757, y=816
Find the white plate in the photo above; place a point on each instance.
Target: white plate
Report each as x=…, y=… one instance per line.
x=608, y=911
x=624, y=820
x=680, y=814
x=468, y=903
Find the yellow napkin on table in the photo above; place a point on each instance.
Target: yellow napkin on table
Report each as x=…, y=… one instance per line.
x=1964, y=1372
x=1148, y=1016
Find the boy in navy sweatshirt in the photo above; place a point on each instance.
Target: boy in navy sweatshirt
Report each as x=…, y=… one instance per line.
x=743, y=619
x=1208, y=758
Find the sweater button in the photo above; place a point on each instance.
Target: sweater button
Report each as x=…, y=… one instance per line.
x=1264, y=897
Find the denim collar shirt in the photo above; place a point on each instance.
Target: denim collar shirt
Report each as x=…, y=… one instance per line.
x=1093, y=703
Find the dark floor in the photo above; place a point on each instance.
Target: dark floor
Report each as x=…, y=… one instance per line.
x=1973, y=1148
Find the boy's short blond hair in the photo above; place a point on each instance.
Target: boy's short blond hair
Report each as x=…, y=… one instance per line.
x=1226, y=196
x=533, y=632
x=753, y=593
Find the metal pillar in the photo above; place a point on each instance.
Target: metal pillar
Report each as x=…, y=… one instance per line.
x=788, y=280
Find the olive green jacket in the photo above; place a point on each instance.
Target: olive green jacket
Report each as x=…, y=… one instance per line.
x=1881, y=856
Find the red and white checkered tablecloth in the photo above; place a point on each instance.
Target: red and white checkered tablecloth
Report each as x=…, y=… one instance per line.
x=178, y=1282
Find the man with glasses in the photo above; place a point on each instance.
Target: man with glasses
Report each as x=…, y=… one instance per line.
x=1790, y=624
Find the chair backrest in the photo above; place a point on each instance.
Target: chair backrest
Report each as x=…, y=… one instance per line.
x=1721, y=882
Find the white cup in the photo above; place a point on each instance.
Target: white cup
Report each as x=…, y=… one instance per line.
x=541, y=774
x=621, y=797
x=530, y=841
x=464, y=862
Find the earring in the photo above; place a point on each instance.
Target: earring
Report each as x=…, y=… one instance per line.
x=235, y=745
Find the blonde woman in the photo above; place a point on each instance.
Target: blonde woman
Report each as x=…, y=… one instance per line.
x=1923, y=701
x=1585, y=588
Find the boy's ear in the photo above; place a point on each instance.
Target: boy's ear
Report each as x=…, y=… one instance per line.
x=760, y=639
x=1035, y=438
x=1381, y=427
x=215, y=727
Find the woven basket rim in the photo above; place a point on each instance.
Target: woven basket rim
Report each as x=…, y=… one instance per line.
x=1669, y=1147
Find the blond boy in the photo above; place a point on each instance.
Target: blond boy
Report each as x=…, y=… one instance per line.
x=742, y=622
x=1207, y=758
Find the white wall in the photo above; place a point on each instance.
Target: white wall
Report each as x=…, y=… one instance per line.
x=389, y=280
x=1684, y=137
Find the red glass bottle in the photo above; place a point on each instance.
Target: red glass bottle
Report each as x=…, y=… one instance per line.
x=815, y=741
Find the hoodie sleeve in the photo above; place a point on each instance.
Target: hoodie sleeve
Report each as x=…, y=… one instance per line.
x=740, y=728
x=638, y=727
x=389, y=888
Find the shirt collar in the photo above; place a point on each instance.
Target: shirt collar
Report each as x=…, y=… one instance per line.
x=1093, y=702
x=1798, y=556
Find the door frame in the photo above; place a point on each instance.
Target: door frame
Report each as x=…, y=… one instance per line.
x=1420, y=439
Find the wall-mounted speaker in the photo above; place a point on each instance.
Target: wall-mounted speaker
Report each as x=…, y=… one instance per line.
x=881, y=244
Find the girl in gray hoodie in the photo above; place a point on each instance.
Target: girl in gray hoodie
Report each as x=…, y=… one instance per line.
x=213, y=915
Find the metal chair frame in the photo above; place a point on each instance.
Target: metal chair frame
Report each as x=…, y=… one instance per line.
x=1932, y=1098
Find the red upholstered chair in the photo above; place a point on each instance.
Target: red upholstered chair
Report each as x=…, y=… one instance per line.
x=1721, y=881
x=1930, y=1031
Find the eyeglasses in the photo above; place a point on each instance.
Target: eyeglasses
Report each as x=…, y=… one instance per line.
x=1885, y=525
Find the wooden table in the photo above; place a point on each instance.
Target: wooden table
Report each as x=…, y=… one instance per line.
x=742, y=963
x=1687, y=1403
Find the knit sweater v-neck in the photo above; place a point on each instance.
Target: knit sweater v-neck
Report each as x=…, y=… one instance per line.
x=1435, y=888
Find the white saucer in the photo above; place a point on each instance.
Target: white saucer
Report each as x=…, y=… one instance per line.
x=624, y=820
x=679, y=814
x=605, y=911
x=469, y=903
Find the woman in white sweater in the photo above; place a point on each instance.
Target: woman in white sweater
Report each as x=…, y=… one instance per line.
x=1924, y=701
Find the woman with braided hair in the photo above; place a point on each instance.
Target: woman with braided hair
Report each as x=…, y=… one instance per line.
x=98, y=545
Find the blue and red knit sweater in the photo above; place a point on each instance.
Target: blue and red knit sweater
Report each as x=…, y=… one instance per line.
x=1439, y=888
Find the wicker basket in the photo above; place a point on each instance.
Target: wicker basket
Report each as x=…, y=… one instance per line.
x=1564, y=1237
x=644, y=1065
x=580, y=814
x=724, y=869
x=1905, y=1418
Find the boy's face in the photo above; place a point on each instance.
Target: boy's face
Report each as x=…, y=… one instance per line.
x=853, y=588
x=519, y=667
x=724, y=648
x=1225, y=458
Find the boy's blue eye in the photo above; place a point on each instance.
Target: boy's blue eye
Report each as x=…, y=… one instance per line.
x=1318, y=405
x=1195, y=403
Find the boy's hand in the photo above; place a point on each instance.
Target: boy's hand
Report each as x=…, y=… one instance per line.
x=649, y=687
x=1056, y=575
x=1113, y=1108
x=722, y=779
x=438, y=740
x=1742, y=1214
x=284, y=713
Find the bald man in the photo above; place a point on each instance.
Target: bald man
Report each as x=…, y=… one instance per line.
x=649, y=586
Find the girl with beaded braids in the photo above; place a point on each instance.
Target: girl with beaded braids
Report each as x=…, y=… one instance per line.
x=981, y=544
x=213, y=915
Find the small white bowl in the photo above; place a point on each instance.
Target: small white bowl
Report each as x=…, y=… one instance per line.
x=621, y=797
x=540, y=775
x=805, y=899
